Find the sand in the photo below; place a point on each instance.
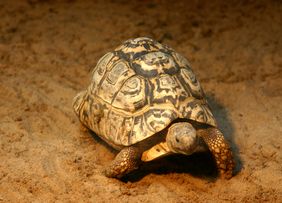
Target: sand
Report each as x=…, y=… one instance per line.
x=47, y=49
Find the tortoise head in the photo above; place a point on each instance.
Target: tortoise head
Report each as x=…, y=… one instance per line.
x=181, y=138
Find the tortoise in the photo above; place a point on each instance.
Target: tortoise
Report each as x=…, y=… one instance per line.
x=145, y=101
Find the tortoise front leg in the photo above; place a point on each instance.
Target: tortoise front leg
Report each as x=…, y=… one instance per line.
x=220, y=150
x=127, y=160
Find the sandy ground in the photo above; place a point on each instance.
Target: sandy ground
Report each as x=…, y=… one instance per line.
x=46, y=51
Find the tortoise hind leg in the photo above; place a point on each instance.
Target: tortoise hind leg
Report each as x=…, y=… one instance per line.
x=127, y=160
x=220, y=150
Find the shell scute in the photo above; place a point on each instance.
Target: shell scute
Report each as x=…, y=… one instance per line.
x=131, y=96
x=99, y=71
x=114, y=81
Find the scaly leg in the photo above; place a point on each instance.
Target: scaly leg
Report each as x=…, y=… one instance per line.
x=127, y=160
x=220, y=150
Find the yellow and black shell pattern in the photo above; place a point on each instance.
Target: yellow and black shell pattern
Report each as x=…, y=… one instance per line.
x=137, y=90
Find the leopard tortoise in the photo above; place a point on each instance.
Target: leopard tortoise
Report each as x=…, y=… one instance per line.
x=145, y=101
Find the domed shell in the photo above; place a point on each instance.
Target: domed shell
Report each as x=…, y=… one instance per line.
x=139, y=89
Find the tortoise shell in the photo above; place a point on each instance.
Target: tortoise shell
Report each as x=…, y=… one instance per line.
x=137, y=90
